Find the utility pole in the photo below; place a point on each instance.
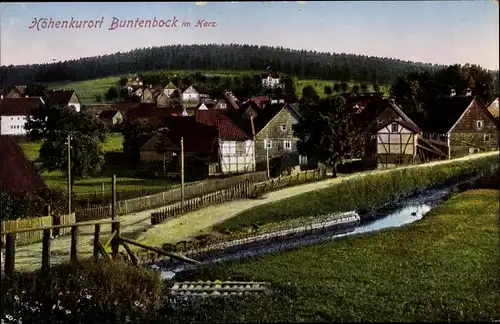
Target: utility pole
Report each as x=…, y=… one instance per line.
x=69, y=174
x=182, y=171
x=267, y=157
x=113, y=197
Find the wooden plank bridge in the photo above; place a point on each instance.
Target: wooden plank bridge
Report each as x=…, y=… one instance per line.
x=114, y=241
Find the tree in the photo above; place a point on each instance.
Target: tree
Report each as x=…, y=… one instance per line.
x=344, y=86
x=98, y=98
x=376, y=87
x=34, y=89
x=161, y=146
x=336, y=87
x=327, y=132
x=355, y=89
x=309, y=93
x=364, y=87
x=328, y=90
x=111, y=94
x=132, y=131
x=53, y=124
x=123, y=81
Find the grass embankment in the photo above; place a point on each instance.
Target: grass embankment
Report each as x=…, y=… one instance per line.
x=113, y=143
x=363, y=193
x=443, y=268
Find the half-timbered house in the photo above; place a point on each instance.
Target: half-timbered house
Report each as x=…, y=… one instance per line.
x=493, y=108
x=236, y=144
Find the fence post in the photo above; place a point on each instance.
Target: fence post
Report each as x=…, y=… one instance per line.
x=115, y=243
x=10, y=254
x=74, y=243
x=97, y=238
x=46, y=250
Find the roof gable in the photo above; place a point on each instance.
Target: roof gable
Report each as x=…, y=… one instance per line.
x=445, y=112
x=62, y=97
x=19, y=106
x=229, y=125
x=18, y=173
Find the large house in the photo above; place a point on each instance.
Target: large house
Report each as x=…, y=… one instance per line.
x=18, y=175
x=236, y=144
x=275, y=142
x=271, y=80
x=227, y=101
x=194, y=94
x=170, y=89
x=14, y=111
x=65, y=98
x=460, y=125
x=391, y=138
x=111, y=117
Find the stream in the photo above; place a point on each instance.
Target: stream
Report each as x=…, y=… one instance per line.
x=407, y=211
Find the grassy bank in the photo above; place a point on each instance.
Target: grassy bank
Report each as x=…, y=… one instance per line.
x=363, y=193
x=443, y=268
x=319, y=86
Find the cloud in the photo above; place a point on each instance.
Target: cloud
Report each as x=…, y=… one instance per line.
x=201, y=3
x=302, y=2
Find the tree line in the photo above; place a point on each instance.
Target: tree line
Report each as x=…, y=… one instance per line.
x=301, y=63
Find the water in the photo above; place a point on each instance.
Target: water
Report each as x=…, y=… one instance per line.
x=408, y=211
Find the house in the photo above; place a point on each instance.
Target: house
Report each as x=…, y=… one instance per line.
x=134, y=81
x=358, y=102
x=493, y=108
x=261, y=101
x=169, y=89
x=135, y=90
x=274, y=137
x=190, y=95
x=18, y=173
x=65, y=98
x=460, y=125
x=14, y=111
x=271, y=80
x=199, y=142
x=147, y=112
x=17, y=91
x=161, y=99
x=227, y=101
x=97, y=109
x=235, y=140
x=147, y=95
x=391, y=138
x=111, y=117
x=250, y=108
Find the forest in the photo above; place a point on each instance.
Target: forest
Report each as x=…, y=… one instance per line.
x=300, y=63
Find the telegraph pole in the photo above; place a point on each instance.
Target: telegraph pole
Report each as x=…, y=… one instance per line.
x=182, y=171
x=267, y=156
x=113, y=197
x=69, y=174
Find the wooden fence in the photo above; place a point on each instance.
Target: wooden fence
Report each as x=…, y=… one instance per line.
x=35, y=222
x=166, y=197
x=238, y=191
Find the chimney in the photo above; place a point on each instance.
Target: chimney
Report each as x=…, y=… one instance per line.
x=453, y=93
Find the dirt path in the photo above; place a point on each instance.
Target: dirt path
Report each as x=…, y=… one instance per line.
x=138, y=225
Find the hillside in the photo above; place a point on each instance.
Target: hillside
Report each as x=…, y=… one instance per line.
x=301, y=63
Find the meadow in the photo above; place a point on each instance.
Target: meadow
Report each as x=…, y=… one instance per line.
x=95, y=184
x=442, y=268
x=89, y=89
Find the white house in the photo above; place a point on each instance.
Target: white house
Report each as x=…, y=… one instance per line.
x=271, y=80
x=13, y=114
x=236, y=146
x=65, y=98
x=191, y=94
x=169, y=89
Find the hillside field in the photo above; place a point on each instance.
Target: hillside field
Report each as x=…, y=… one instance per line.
x=89, y=89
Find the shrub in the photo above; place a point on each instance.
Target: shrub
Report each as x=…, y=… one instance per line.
x=29, y=204
x=85, y=292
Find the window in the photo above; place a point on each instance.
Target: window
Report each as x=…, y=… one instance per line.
x=394, y=127
x=374, y=138
x=479, y=124
x=268, y=143
x=399, y=159
x=379, y=121
x=240, y=148
x=302, y=159
x=11, y=118
x=374, y=156
x=283, y=128
x=223, y=105
x=287, y=145
x=486, y=137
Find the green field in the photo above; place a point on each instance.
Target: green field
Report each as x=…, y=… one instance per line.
x=88, y=90
x=319, y=86
x=442, y=268
x=94, y=184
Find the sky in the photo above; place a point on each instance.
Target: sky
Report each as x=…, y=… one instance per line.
x=442, y=32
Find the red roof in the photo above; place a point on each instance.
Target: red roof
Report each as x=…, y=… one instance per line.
x=228, y=127
x=60, y=97
x=18, y=173
x=19, y=106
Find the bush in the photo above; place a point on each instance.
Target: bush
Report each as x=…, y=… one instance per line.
x=86, y=292
x=29, y=204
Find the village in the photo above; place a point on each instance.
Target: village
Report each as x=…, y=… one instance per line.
x=225, y=135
